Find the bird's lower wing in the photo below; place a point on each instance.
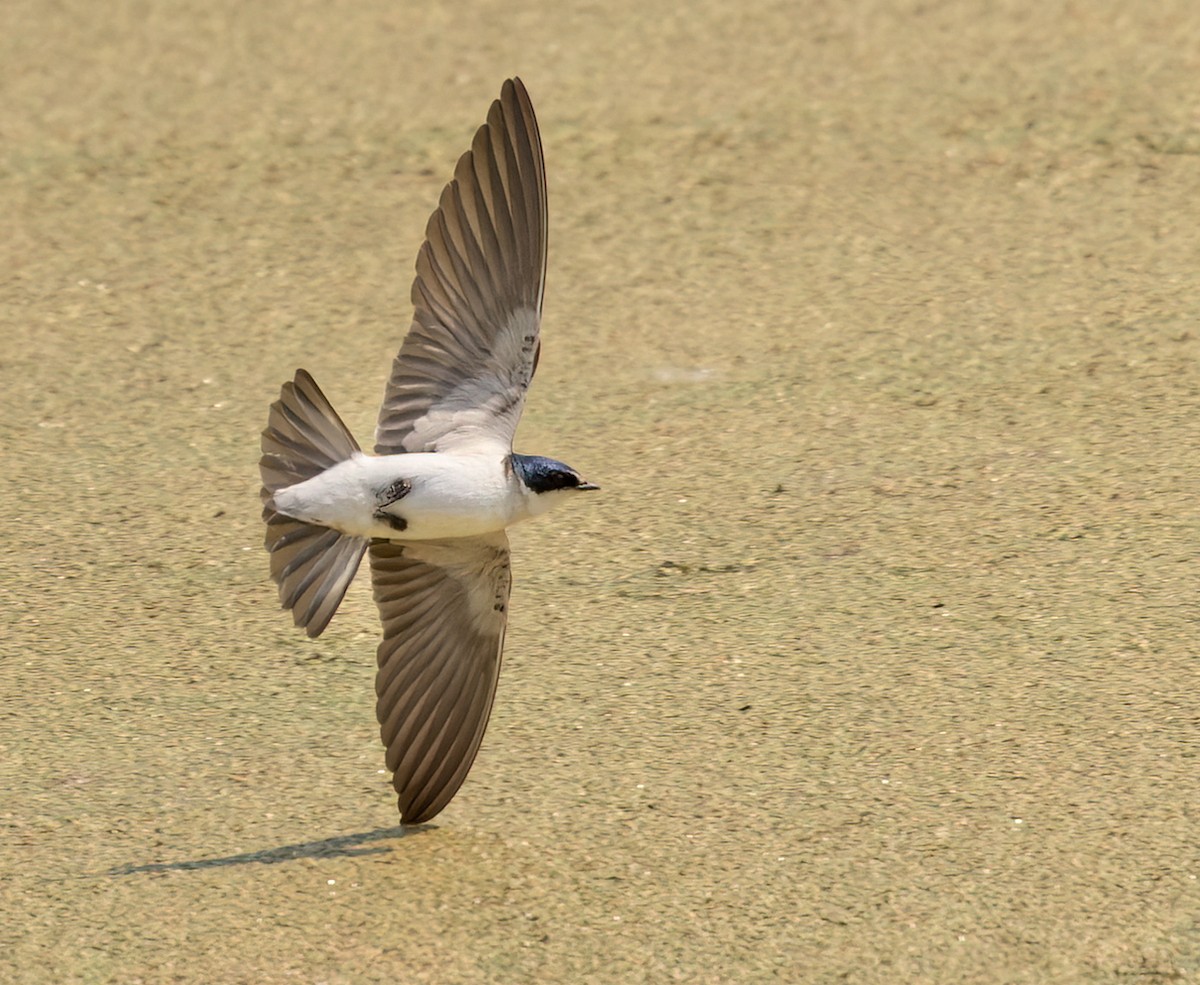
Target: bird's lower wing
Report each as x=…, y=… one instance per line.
x=444, y=606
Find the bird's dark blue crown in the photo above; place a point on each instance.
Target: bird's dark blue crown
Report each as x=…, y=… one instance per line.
x=544, y=474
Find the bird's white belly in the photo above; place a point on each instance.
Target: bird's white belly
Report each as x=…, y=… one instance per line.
x=447, y=496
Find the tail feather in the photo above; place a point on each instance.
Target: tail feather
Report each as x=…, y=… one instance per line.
x=313, y=565
x=304, y=436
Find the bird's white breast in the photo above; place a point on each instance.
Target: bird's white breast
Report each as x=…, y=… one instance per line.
x=450, y=495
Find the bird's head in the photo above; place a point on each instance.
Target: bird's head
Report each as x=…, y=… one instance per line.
x=548, y=480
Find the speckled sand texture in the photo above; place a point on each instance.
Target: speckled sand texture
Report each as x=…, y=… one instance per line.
x=875, y=662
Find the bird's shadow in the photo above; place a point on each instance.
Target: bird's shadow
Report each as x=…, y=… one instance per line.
x=339, y=847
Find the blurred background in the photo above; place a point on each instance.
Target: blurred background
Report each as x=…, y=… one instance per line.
x=874, y=661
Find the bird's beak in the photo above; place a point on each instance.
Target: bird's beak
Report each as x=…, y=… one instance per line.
x=587, y=485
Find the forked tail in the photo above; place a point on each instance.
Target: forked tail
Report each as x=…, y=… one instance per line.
x=313, y=565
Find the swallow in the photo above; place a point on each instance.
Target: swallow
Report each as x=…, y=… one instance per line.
x=430, y=507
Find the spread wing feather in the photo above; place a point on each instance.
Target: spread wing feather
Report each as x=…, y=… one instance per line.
x=461, y=375
x=444, y=608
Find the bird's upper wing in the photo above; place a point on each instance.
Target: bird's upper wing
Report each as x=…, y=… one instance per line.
x=444, y=606
x=462, y=372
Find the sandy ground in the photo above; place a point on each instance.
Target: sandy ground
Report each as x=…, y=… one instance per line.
x=876, y=659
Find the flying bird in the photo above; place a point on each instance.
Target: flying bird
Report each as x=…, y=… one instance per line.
x=430, y=507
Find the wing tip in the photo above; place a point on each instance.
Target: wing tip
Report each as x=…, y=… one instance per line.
x=423, y=816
